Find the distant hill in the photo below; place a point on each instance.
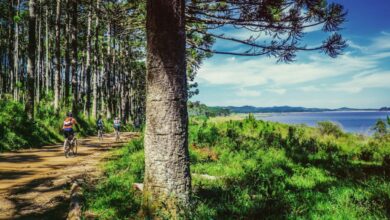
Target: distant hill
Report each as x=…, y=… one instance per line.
x=384, y=109
x=252, y=109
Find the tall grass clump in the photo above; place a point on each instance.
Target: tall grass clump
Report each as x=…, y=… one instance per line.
x=114, y=197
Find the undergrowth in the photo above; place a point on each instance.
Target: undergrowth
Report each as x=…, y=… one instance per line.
x=17, y=131
x=264, y=170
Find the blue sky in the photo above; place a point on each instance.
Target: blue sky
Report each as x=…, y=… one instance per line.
x=359, y=78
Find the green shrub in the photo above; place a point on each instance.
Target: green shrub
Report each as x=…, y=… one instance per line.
x=330, y=128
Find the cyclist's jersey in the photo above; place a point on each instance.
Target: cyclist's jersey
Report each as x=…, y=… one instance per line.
x=117, y=123
x=68, y=123
x=99, y=123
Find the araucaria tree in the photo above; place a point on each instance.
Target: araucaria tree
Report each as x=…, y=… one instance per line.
x=167, y=173
x=277, y=28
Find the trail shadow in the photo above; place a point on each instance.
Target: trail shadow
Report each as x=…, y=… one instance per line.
x=11, y=175
x=20, y=158
x=59, y=212
x=30, y=186
x=27, y=208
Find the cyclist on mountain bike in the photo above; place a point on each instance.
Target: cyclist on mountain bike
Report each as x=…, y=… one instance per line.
x=99, y=123
x=117, y=126
x=68, y=125
x=100, y=127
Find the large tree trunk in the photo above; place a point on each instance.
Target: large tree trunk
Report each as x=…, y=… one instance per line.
x=67, y=54
x=74, y=56
x=47, y=65
x=167, y=171
x=88, y=62
x=16, y=56
x=107, y=75
x=31, y=61
x=57, y=82
x=11, y=35
x=97, y=64
x=38, y=73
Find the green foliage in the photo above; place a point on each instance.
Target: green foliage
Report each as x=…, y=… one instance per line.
x=198, y=109
x=329, y=128
x=115, y=197
x=380, y=128
x=17, y=131
x=264, y=170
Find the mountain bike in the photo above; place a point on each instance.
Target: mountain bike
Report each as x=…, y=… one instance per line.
x=100, y=134
x=70, y=145
x=117, y=138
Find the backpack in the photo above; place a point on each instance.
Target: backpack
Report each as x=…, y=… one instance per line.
x=68, y=122
x=99, y=122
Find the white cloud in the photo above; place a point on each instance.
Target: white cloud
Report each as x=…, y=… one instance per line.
x=247, y=93
x=339, y=82
x=313, y=28
x=377, y=44
x=355, y=46
x=279, y=91
x=310, y=88
x=377, y=80
x=381, y=43
x=264, y=71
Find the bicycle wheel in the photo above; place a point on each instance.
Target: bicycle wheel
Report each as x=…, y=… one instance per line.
x=66, y=148
x=75, y=147
x=117, y=136
x=100, y=134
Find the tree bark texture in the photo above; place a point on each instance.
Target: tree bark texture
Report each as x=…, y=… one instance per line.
x=167, y=171
x=74, y=56
x=57, y=80
x=31, y=61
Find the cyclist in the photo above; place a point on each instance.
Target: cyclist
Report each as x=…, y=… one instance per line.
x=68, y=125
x=99, y=123
x=117, y=126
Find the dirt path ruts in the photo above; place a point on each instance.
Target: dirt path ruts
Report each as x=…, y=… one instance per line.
x=34, y=183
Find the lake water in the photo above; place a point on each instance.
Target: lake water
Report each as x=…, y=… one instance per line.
x=351, y=121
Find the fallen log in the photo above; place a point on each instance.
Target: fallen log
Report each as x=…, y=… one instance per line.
x=75, y=202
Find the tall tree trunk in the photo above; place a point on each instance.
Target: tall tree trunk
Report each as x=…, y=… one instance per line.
x=107, y=76
x=88, y=61
x=39, y=63
x=57, y=82
x=74, y=56
x=47, y=65
x=67, y=54
x=31, y=61
x=11, y=45
x=3, y=74
x=16, y=55
x=97, y=64
x=167, y=171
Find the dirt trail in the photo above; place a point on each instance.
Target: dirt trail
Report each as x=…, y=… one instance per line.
x=34, y=183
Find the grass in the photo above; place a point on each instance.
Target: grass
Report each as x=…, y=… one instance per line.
x=266, y=170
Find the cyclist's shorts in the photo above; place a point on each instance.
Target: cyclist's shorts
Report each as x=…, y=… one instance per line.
x=117, y=127
x=68, y=132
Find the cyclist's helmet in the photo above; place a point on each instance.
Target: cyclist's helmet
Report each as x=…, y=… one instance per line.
x=70, y=114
